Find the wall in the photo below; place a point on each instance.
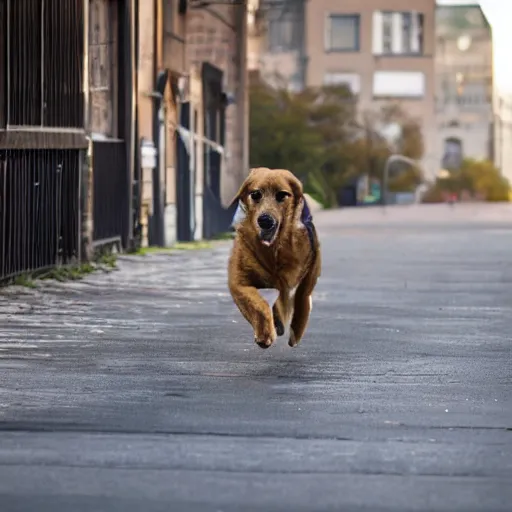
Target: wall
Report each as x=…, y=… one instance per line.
x=504, y=136
x=217, y=35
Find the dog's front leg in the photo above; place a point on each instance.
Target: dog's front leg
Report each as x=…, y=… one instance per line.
x=281, y=311
x=257, y=312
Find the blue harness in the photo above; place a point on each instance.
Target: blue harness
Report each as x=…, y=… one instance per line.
x=307, y=219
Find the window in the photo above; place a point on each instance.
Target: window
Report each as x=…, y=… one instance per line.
x=452, y=154
x=342, y=33
x=351, y=80
x=399, y=84
x=282, y=32
x=397, y=33
x=387, y=32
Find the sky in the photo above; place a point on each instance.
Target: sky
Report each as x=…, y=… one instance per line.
x=499, y=14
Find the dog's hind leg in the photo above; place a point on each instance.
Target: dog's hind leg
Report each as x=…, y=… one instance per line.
x=257, y=312
x=302, y=308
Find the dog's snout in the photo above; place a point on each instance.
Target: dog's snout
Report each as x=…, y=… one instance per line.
x=266, y=221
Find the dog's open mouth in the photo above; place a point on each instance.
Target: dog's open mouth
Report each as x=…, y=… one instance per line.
x=268, y=236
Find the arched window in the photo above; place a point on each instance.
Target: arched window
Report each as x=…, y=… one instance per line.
x=452, y=154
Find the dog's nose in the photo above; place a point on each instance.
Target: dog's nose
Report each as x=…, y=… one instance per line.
x=266, y=221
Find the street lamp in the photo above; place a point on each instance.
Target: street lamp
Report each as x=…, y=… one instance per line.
x=391, y=159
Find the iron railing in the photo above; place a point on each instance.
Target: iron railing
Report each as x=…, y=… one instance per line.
x=39, y=209
x=42, y=45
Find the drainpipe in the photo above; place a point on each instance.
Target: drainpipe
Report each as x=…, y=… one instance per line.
x=132, y=152
x=303, y=58
x=86, y=177
x=158, y=223
x=243, y=90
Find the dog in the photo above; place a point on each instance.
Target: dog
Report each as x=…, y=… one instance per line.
x=275, y=246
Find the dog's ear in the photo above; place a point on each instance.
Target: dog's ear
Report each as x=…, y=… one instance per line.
x=296, y=186
x=242, y=191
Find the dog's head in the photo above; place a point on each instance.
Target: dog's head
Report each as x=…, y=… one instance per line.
x=268, y=200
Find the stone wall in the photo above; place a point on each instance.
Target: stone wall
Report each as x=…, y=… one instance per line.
x=217, y=35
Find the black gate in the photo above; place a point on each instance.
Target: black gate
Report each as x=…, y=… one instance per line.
x=111, y=122
x=110, y=192
x=184, y=183
x=39, y=209
x=216, y=218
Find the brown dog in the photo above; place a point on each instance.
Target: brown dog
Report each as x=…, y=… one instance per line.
x=276, y=246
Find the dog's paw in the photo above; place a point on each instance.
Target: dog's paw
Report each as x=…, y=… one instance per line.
x=279, y=326
x=292, y=341
x=265, y=340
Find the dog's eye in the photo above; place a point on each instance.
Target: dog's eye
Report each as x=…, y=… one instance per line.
x=256, y=195
x=281, y=196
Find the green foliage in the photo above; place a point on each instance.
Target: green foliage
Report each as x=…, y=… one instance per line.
x=319, y=135
x=178, y=246
x=475, y=178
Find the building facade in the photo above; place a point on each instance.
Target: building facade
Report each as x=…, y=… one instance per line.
x=464, y=85
x=382, y=49
x=192, y=125
x=503, y=135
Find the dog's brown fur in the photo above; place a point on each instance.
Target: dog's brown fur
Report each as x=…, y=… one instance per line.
x=290, y=262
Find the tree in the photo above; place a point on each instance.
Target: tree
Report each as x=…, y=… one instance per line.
x=280, y=134
x=306, y=132
x=320, y=136
x=477, y=178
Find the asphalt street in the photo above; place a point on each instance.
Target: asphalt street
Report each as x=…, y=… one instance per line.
x=142, y=389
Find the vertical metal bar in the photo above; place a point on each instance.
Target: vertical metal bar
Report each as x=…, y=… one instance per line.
x=43, y=2
x=85, y=116
x=192, y=168
x=133, y=107
x=7, y=120
x=3, y=168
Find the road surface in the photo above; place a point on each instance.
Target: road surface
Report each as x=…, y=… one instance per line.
x=142, y=390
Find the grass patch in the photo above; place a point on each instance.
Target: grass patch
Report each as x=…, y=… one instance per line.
x=69, y=273
x=25, y=280
x=109, y=260
x=191, y=246
x=144, y=251
x=106, y=261
x=179, y=246
x=228, y=235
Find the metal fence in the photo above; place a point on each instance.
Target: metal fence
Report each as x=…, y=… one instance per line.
x=111, y=207
x=39, y=209
x=41, y=63
x=42, y=136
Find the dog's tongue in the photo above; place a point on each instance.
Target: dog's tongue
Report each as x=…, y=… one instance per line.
x=266, y=237
x=270, y=295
